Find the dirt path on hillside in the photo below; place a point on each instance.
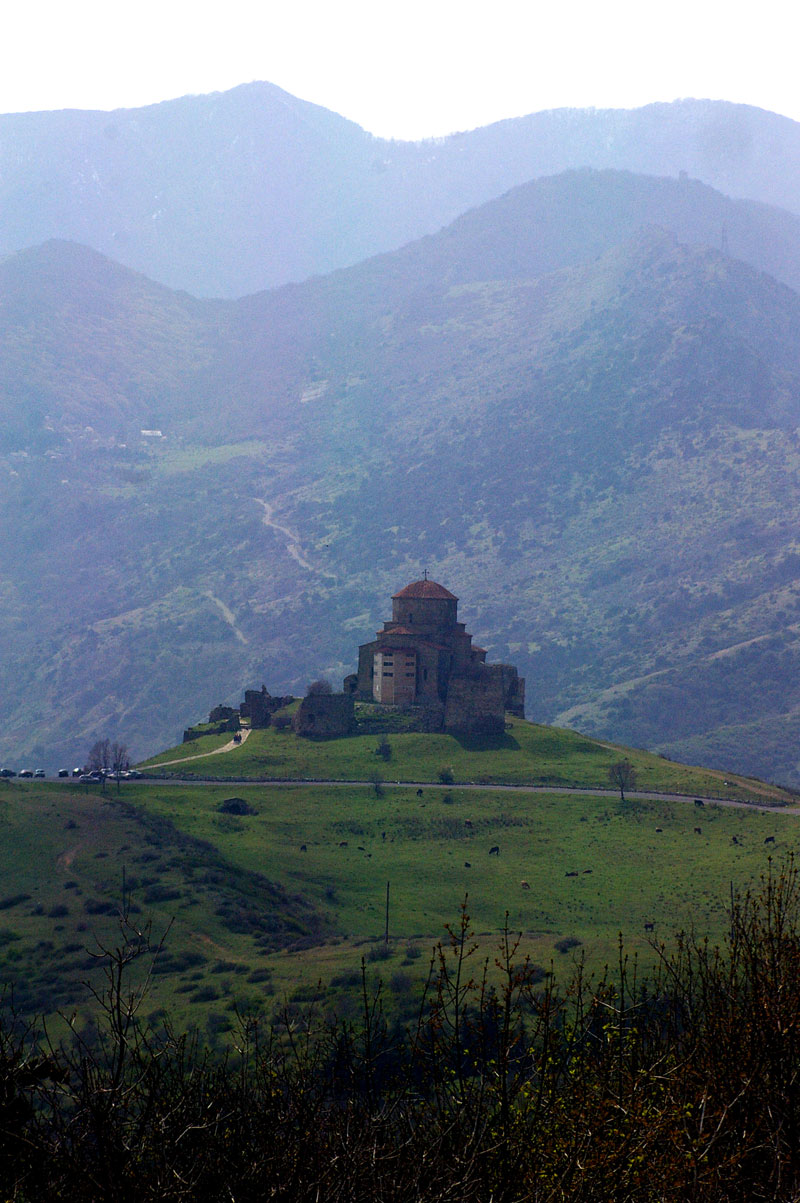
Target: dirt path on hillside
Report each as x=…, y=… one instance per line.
x=228, y=747
x=293, y=546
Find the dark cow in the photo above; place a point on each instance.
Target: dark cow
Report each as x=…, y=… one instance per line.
x=699, y=802
x=649, y=927
x=575, y=874
x=587, y=870
x=659, y=829
x=468, y=822
x=524, y=885
x=698, y=830
x=419, y=793
x=735, y=840
x=467, y=865
x=770, y=839
x=495, y=851
x=343, y=843
x=302, y=848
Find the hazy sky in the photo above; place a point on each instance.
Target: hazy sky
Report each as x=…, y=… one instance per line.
x=407, y=70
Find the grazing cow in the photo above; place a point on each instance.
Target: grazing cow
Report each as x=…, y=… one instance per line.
x=302, y=848
x=524, y=885
x=649, y=926
x=698, y=830
x=587, y=870
x=735, y=840
x=467, y=865
x=575, y=874
x=699, y=802
x=468, y=822
x=770, y=839
x=495, y=851
x=419, y=793
x=342, y=843
x=383, y=835
x=361, y=847
x=659, y=829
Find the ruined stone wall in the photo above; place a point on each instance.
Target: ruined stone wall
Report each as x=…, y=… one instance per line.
x=325, y=716
x=259, y=706
x=223, y=714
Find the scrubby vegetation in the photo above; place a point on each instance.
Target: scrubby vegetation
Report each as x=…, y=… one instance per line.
x=684, y=1086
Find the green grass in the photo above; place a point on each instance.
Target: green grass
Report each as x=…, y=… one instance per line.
x=193, y=747
x=192, y=458
x=257, y=919
x=525, y=754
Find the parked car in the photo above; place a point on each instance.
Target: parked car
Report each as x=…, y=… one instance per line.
x=26, y=772
x=7, y=773
x=88, y=779
x=134, y=774
x=63, y=772
x=77, y=772
x=39, y=773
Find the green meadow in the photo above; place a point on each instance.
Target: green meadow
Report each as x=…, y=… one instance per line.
x=280, y=904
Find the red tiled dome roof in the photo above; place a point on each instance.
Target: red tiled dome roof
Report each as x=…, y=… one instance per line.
x=426, y=589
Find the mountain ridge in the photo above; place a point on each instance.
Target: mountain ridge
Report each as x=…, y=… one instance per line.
x=241, y=190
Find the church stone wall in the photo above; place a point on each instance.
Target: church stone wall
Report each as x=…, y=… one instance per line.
x=475, y=703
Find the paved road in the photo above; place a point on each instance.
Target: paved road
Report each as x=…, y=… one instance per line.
x=586, y=791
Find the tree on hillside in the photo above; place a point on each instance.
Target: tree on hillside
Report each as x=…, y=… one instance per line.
x=318, y=688
x=99, y=758
x=119, y=759
x=107, y=757
x=384, y=750
x=623, y=776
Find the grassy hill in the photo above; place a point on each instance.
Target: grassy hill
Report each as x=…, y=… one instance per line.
x=261, y=906
x=527, y=754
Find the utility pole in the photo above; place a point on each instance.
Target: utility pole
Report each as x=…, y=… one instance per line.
x=386, y=933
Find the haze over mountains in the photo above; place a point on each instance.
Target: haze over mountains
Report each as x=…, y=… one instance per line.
x=577, y=405
x=243, y=190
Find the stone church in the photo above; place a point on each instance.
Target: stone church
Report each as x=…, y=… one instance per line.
x=425, y=658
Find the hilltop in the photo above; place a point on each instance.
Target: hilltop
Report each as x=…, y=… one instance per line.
x=527, y=754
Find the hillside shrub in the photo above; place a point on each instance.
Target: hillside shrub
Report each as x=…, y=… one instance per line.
x=504, y=1088
x=235, y=806
x=568, y=943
